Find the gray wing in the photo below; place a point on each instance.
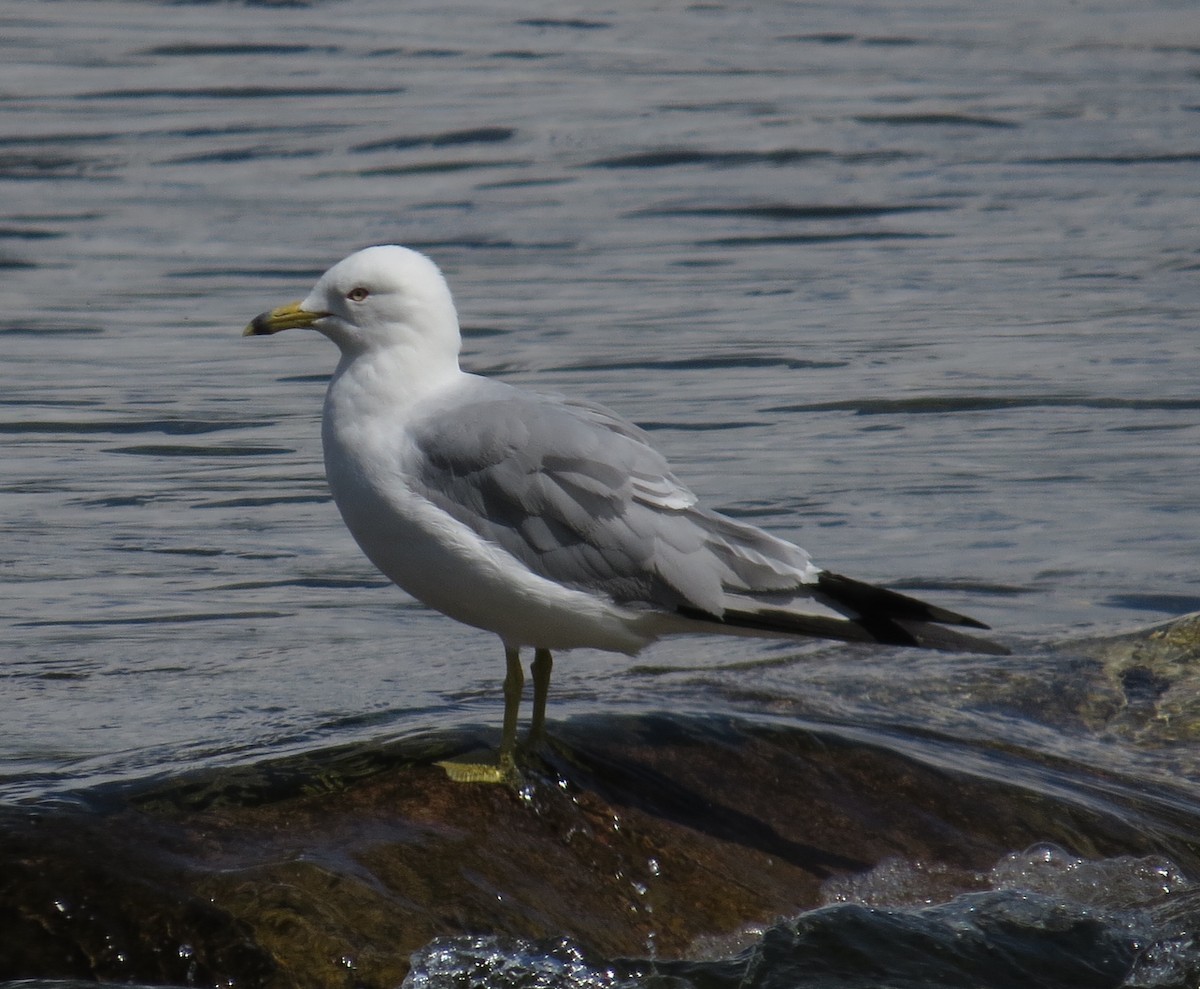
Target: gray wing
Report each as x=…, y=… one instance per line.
x=579, y=496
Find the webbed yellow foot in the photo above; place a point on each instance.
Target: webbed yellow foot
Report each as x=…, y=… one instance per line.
x=477, y=767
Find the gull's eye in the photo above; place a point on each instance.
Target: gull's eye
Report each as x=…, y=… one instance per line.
x=357, y=294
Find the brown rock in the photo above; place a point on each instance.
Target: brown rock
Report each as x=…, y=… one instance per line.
x=638, y=835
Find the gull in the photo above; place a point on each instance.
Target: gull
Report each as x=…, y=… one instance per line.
x=548, y=520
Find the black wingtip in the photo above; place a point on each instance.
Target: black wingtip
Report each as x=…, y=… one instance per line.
x=943, y=639
x=875, y=629
x=869, y=599
x=896, y=618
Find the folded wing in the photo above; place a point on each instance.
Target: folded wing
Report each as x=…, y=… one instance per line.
x=579, y=496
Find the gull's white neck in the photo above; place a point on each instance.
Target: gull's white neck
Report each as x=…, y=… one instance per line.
x=386, y=381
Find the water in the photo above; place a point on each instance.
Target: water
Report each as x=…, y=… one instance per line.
x=914, y=285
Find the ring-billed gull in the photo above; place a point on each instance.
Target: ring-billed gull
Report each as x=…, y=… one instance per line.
x=548, y=520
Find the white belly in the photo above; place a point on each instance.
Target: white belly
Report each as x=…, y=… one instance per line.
x=445, y=565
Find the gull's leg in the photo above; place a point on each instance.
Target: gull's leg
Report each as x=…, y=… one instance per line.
x=514, y=683
x=543, y=663
x=464, y=769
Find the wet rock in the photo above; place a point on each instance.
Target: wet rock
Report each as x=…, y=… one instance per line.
x=635, y=836
x=95, y=897
x=1146, y=684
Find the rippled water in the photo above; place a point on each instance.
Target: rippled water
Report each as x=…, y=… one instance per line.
x=914, y=285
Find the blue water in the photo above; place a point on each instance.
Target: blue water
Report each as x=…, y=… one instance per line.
x=912, y=284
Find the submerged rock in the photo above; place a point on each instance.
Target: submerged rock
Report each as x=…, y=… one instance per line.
x=1147, y=682
x=993, y=940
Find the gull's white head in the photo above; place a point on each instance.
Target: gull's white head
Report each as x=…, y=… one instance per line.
x=377, y=298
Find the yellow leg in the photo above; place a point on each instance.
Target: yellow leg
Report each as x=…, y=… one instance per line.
x=463, y=769
x=543, y=663
x=514, y=683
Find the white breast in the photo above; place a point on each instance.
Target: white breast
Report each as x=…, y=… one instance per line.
x=437, y=559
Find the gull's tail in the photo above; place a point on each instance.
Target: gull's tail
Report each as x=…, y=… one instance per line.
x=872, y=614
